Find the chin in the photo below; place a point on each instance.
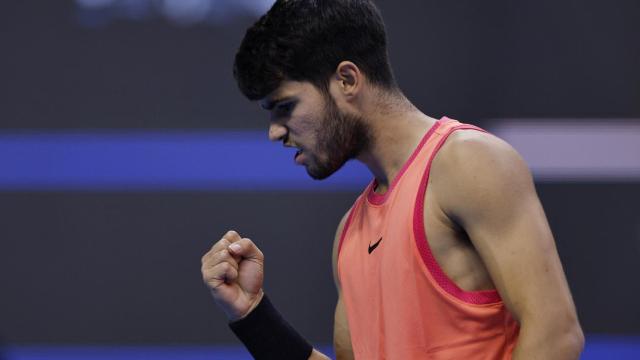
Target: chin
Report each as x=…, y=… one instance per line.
x=318, y=176
x=322, y=172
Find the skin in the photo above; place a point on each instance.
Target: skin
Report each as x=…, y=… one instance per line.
x=486, y=226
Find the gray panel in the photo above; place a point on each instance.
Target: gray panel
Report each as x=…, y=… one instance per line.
x=597, y=231
x=124, y=268
x=89, y=267
x=466, y=59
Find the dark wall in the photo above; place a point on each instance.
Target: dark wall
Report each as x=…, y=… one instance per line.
x=109, y=267
x=483, y=60
x=123, y=267
x=113, y=267
x=466, y=59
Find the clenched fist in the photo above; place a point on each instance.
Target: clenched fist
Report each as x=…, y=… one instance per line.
x=234, y=272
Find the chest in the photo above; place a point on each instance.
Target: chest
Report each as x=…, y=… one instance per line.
x=385, y=240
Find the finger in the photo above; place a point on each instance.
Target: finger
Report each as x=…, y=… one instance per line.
x=219, y=245
x=221, y=256
x=232, y=236
x=229, y=237
x=219, y=274
x=247, y=249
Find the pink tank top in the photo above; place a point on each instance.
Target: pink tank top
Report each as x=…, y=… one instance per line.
x=400, y=304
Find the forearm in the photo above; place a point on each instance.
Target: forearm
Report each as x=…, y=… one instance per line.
x=316, y=355
x=541, y=343
x=343, y=353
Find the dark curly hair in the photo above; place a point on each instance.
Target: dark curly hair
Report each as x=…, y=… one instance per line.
x=305, y=40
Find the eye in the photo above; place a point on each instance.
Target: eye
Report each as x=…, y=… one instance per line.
x=285, y=108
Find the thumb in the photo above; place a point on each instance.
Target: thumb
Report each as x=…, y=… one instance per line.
x=246, y=249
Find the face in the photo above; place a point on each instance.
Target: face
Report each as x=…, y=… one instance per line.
x=305, y=118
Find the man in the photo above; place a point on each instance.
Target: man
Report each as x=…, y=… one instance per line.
x=443, y=257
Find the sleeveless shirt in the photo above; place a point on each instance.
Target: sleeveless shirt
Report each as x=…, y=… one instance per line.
x=400, y=304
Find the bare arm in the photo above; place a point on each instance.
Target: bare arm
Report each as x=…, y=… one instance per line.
x=341, y=337
x=317, y=355
x=486, y=187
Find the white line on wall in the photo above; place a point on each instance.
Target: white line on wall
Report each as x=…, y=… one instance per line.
x=575, y=149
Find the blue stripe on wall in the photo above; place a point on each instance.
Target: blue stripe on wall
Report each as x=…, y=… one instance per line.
x=157, y=161
x=597, y=347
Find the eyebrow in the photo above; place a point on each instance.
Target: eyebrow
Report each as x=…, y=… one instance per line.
x=270, y=104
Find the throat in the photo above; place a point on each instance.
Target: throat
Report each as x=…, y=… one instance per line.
x=392, y=151
x=380, y=189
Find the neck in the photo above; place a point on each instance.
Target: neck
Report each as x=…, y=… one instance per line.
x=395, y=133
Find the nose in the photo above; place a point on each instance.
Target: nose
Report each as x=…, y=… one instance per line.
x=277, y=132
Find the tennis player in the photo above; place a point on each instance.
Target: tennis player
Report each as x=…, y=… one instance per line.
x=446, y=254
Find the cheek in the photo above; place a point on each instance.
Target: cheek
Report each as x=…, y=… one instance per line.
x=308, y=125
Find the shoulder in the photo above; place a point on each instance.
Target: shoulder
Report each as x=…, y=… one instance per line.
x=467, y=146
x=477, y=154
x=478, y=168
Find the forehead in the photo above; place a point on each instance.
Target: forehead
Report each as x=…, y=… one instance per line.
x=289, y=90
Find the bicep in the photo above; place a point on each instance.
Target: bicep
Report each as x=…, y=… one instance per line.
x=341, y=335
x=518, y=249
x=336, y=246
x=493, y=198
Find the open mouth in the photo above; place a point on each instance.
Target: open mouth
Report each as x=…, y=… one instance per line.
x=298, y=157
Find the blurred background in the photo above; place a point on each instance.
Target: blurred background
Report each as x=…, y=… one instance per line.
x=126, y=151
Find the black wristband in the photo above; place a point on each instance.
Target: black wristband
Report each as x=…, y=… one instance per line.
x=268, y=336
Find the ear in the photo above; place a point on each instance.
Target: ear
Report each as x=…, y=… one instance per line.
x=349, y=79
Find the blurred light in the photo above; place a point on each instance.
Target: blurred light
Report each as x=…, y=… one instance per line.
x=257, y=7
x=95, y=3
x=186, y=12
x=135, y=9
x=576, y=150
x=180, y=12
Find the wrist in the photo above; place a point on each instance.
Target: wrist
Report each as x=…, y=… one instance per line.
x=268, y=336
x=253, y=304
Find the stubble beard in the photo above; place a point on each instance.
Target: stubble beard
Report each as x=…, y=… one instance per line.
x=341, y=137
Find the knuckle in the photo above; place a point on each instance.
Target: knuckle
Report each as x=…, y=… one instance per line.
x=253, y=245
x=204, y=258
x=207, y=277
x=207, y=267
x=224, y=266
x=222, y=255
x=231, y=234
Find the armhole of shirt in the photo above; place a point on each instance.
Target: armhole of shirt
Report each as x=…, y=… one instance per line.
x=347, y=223
x=481, y=297
x=343, y=233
